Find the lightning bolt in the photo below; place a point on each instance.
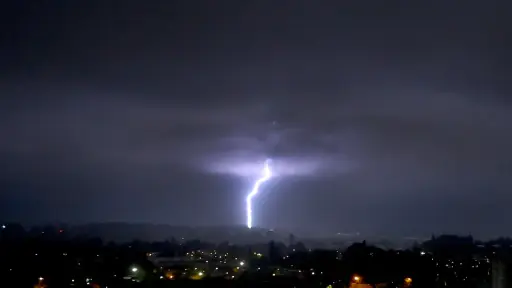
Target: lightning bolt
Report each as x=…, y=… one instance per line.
x=267, y=173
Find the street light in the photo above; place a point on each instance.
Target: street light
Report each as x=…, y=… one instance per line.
x=408, y=281
x=357, y=279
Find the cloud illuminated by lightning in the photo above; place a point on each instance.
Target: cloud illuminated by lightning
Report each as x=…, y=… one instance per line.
x=267, y=173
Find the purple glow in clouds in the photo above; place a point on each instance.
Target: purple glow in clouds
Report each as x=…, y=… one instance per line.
x=267, y=173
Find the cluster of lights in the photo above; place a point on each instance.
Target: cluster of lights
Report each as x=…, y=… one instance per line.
x=407, y=281
x=213, y=257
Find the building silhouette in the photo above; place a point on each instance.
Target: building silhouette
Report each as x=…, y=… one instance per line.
x=499, y=274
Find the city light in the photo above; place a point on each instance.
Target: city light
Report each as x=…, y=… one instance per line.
x=267, y=173
x=169, y=275
x=357, y=279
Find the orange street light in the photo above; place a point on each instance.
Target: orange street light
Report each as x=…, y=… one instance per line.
x=357, y=278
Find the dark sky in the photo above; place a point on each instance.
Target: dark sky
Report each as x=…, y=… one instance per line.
x=381, y=117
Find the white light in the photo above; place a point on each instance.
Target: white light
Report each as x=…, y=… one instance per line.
x=3, y=226
x=41, y=278
x=134, y=269
x=267, y=173
x=242, y=263
x=200, y=273
x=422, y=253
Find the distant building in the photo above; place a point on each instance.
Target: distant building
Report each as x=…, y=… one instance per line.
x=291, y=240
x=499, y=274
x=358, y=285
x=169, y=262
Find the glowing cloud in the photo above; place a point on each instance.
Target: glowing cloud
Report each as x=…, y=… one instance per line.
x=267, y=173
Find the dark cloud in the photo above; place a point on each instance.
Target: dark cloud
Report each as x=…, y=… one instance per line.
x=380, y=117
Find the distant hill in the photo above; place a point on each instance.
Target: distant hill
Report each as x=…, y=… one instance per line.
x=240, y=235
x=126, y=232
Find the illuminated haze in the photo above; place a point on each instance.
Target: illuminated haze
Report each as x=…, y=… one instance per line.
x=382, y=117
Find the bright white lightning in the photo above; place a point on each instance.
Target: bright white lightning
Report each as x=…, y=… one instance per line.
x=267, y=173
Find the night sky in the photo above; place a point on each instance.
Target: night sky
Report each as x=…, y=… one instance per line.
x=381, y=117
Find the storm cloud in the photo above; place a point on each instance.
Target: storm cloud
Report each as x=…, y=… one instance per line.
x=381, y=118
